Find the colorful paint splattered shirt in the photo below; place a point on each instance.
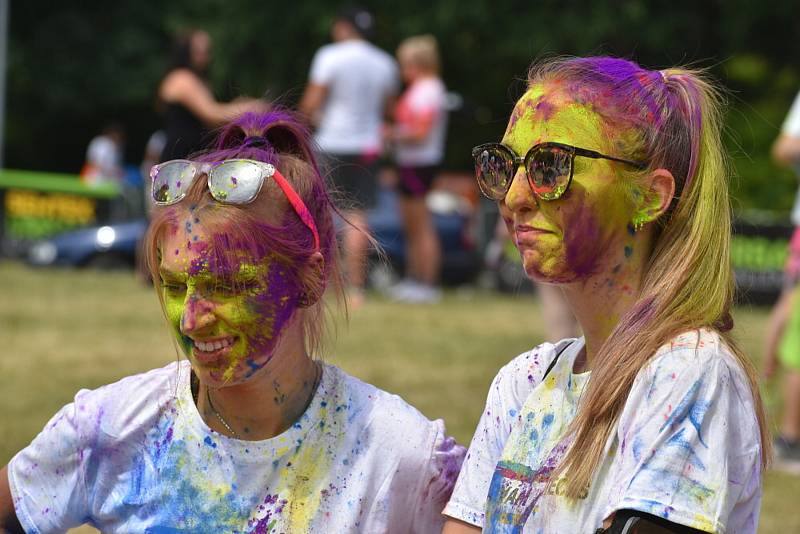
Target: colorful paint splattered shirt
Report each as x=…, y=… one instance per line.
x=136, y=456
x=687, y=446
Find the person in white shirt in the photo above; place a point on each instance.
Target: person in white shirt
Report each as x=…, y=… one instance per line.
x=104, y=159
x=418, y=137
x=351, y=88
x=251, y=434
x=612, y=181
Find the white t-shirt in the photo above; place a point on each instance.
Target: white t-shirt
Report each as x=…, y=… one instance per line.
x=359, y=77
x=425, y=97
x=791, y=127
x=103, y=161
x=687, y=446
x=135, y=456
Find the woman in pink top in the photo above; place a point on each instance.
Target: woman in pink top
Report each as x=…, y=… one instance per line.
x=418, y=136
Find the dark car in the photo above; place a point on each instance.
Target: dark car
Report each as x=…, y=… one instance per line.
x=114, y=245
x=106, y=247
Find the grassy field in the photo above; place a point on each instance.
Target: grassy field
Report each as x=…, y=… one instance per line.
x=66, y=330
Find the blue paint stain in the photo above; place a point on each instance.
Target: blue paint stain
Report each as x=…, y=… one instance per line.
x=696, y=415
x=636, y=448
x=512, y=412
x=210, y=442
x=687, y=450
x=684, y=407
x=628, y=251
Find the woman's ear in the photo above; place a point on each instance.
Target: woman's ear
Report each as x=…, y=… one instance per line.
x=658, y=192
x=313, y=280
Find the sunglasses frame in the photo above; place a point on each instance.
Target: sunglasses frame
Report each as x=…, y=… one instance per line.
x=525, y=162
x=267, y=171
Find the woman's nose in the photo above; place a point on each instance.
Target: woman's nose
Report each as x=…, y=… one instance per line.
x=520, y=196
x=198, y=314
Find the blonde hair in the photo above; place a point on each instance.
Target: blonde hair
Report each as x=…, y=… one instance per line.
x=688, y=281
x=422, y=51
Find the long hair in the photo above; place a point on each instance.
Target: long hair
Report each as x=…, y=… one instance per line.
x=688, y=282
x=269, y=226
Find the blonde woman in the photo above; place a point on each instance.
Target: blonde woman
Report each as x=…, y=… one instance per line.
x=418, y=136
x=612, y=181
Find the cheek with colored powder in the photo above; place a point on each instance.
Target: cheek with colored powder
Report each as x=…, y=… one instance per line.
x=261, y=315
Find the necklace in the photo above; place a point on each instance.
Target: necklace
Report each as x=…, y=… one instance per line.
x=317, y=379
x=219, y=416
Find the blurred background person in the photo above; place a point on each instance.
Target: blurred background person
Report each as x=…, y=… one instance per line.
x=418, y=137
x=187, y=104
x=104, y=160
x=351, y=88
x=782, y=341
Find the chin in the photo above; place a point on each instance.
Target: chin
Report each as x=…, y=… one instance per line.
x=553, y=275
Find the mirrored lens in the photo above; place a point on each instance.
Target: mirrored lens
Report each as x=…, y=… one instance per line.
x=494, y=170
x=236, y=181
x=171, y=181
x=549, y=171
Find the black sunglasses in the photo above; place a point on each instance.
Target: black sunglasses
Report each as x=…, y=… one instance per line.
x=549, y=168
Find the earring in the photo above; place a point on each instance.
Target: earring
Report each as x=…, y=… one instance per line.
x=638, y=223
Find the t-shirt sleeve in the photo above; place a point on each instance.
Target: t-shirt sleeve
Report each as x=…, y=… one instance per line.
x=468, y=501
x=427, y=100
x=689, y=446
x=438, y=477
x=47, y=477
x=791, y=125
x=321, y=71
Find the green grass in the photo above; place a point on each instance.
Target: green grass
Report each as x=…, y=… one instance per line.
x=66, y=330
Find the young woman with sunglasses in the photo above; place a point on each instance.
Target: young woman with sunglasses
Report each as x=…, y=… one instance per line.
x=251, y=434
x=612, y=180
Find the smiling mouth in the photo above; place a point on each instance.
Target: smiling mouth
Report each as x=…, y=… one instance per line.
x=211, y=349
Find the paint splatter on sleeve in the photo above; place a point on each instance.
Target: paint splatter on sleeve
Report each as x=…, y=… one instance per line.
x=688, y=442
x=509, y=390
x=438, y=479
x=47, y=477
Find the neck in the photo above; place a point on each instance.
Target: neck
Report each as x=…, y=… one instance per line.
x=270, y=401
x=600, y=300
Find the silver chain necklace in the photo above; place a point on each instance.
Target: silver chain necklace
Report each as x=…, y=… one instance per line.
x=317, y=377
x=218, y=415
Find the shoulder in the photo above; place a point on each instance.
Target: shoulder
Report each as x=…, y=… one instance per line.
x=379, y=55
x=130, y=402
x=517, y=378
x=699, y=354
x=696, y=375
x=374, y=407
x=326, y=51
x=176, y=82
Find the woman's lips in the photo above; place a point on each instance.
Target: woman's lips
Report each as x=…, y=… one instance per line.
x=523, y=230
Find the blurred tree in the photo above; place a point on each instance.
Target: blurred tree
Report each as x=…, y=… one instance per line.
x=75, y=66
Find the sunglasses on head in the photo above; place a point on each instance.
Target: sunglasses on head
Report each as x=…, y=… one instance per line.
x=231, y=181
x=548, y=166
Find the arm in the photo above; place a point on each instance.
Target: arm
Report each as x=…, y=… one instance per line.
x=186, y=88
x=786, y=150
x=454, y=526
x=9, y=524
x=415, y=131
x=313, y=98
